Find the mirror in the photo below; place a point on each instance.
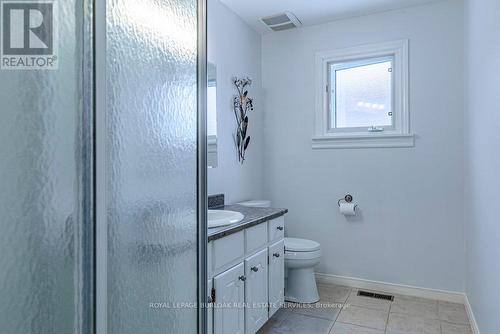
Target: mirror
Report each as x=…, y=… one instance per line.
x=212, y=159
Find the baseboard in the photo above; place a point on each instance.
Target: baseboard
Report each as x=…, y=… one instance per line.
x=472, y=318
x=391, y=288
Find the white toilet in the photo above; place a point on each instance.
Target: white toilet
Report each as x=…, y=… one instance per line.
x=301, y=255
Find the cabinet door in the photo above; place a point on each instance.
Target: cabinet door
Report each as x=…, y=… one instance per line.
x=256, y=311
x=229, y=316
x=276, y=276
x=210, y=310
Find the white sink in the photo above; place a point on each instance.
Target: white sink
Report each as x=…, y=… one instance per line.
x=217, y=218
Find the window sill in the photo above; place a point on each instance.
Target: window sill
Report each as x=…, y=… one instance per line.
x=363, y=141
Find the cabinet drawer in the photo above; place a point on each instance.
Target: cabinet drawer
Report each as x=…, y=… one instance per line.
x=228, y=249
x=277, y=228
x=256, y=237
x=210, y=257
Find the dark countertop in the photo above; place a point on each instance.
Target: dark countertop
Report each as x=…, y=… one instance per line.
x=253, y=216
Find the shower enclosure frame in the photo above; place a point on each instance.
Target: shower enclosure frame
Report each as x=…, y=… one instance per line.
x=97, y=320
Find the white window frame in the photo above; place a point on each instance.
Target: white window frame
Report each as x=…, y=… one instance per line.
x=397, y=135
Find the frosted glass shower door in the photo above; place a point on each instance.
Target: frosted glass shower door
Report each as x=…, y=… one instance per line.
x=151, y=166
x=46, y=172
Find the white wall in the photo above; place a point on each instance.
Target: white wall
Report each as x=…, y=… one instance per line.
x=235, y=49
x=410, y=230
x=483, y=163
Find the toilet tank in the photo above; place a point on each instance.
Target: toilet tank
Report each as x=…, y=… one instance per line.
x=257, y=203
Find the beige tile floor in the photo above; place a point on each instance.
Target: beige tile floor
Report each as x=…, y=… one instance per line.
x=341, y=311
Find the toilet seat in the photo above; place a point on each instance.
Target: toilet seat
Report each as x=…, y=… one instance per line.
x=291, y=255
x=301, y=245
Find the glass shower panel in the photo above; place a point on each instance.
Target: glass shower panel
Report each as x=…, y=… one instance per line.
x=44, y=185
x=151, y=166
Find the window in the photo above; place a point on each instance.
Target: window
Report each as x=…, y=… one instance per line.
x=361, y=94
x=362, y=97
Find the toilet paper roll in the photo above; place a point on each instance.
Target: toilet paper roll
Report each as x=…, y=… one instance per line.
x=347, y=209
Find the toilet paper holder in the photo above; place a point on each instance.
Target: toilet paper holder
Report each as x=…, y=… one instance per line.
x=347, y=198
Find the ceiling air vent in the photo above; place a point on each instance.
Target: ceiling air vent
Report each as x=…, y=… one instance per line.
x=281, y=21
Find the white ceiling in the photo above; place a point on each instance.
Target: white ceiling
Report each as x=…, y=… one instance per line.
x=311, y=12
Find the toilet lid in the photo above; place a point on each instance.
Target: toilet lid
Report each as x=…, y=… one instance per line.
x=301, y=245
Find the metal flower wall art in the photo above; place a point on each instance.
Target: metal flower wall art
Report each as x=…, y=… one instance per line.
x=242, y=105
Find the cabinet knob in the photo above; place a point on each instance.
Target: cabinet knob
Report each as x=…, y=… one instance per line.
x=255, y=269
x=242, y=278
x=276, y=254
x=280, y=228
